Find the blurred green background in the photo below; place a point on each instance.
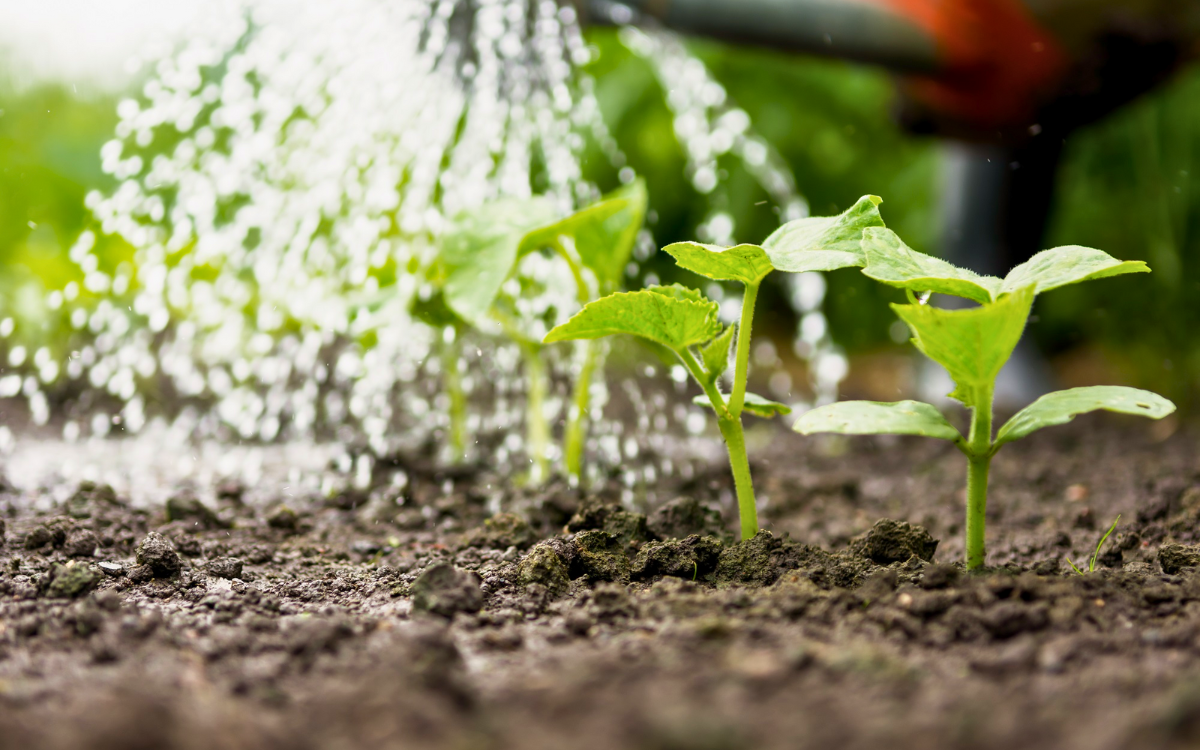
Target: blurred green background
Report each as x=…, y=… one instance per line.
x=1125, y=188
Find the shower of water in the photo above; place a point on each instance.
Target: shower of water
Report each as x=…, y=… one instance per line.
x=710, y=128
x=284, y=178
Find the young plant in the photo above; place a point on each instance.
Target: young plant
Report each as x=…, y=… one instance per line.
x=482, y=253
x=973, y=344
x=1091, y=566
x=685, y=321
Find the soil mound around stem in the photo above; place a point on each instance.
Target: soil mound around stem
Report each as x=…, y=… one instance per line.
x=425, y=620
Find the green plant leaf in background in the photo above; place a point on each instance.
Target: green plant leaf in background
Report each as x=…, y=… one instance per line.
x=755, y=404
x=480, y=251
x=824, y=243
x=971, y=344
x=1063, y=406
x=603, y=234
x=433, y=310
x=892, y=262
x=877, y=417
x=674, y=316
x=1072, y=264
x=715, y=354
x=748, y=264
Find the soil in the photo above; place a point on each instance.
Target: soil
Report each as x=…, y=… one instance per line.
x=418, y=616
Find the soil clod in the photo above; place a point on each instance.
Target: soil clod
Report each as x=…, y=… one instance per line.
x=691, y=558
x=502, y=531
x=157, y=554
x=444, y=590
x=596, y=515
x=225, y=567
x=545, y=567
x=891, y=541
x=70, y=580
x=685, y=516
x=1174, y=558
x=601, y=557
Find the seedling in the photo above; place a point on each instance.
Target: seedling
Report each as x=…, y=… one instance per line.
x=1091, y=568
x=973, y=344
x=482, y=254
x=685, y=321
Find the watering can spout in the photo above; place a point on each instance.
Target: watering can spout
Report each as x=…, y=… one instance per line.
x=858, y=30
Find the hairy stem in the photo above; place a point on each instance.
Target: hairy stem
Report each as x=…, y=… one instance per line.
x=577, y=418
x=451, y=354
x=735, y=441
x=537, y=431
x=979, y=459
x=742, y=366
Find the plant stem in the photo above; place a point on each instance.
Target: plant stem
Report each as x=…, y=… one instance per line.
x=735, y=441
x=451, y=351
x=710, y=389
x=979, y=459
x=573, y=436
x=742, y=367
x=577, y=418
x=537, y=431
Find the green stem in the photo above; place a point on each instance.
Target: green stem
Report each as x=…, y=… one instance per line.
x=979, y=459
x=735, y=441
x=577, y=418
x=458, y=398
x=537, y=431
x=737, y=396
x=710, y=389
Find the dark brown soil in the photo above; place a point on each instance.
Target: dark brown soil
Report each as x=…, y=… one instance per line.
x=403, y=619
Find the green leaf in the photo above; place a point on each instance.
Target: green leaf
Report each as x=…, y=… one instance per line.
x=824, y=243
x=433, y=311
x=715, y=354
x=480, y=251
x=971, y=344
x=755, y=404
x=748, y=264
x=1072, y=264
x=1063, y=406
x=603, y=233
x=877, y=418
x=674, y=316
x=892, y=262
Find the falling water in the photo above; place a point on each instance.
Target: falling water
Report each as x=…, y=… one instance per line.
x=283, y=179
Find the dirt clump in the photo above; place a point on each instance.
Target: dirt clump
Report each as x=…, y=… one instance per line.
x=1175, y=558
x=157, y=555
x=891, y=541
x=602, y=556
x=692, y=557
x=685, y=516
x=445, y=590
x=546, y=567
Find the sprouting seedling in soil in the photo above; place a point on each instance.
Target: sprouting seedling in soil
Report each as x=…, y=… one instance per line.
x=685, y=321
x=483, y=251
x=973, y=344
x=1091, y=568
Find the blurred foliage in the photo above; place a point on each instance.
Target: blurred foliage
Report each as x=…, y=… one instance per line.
x=50, y=141
x=1128, y=186
x=831, y=123
x=1125, y=188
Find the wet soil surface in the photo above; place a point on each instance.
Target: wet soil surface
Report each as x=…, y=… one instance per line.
x=418, y=616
